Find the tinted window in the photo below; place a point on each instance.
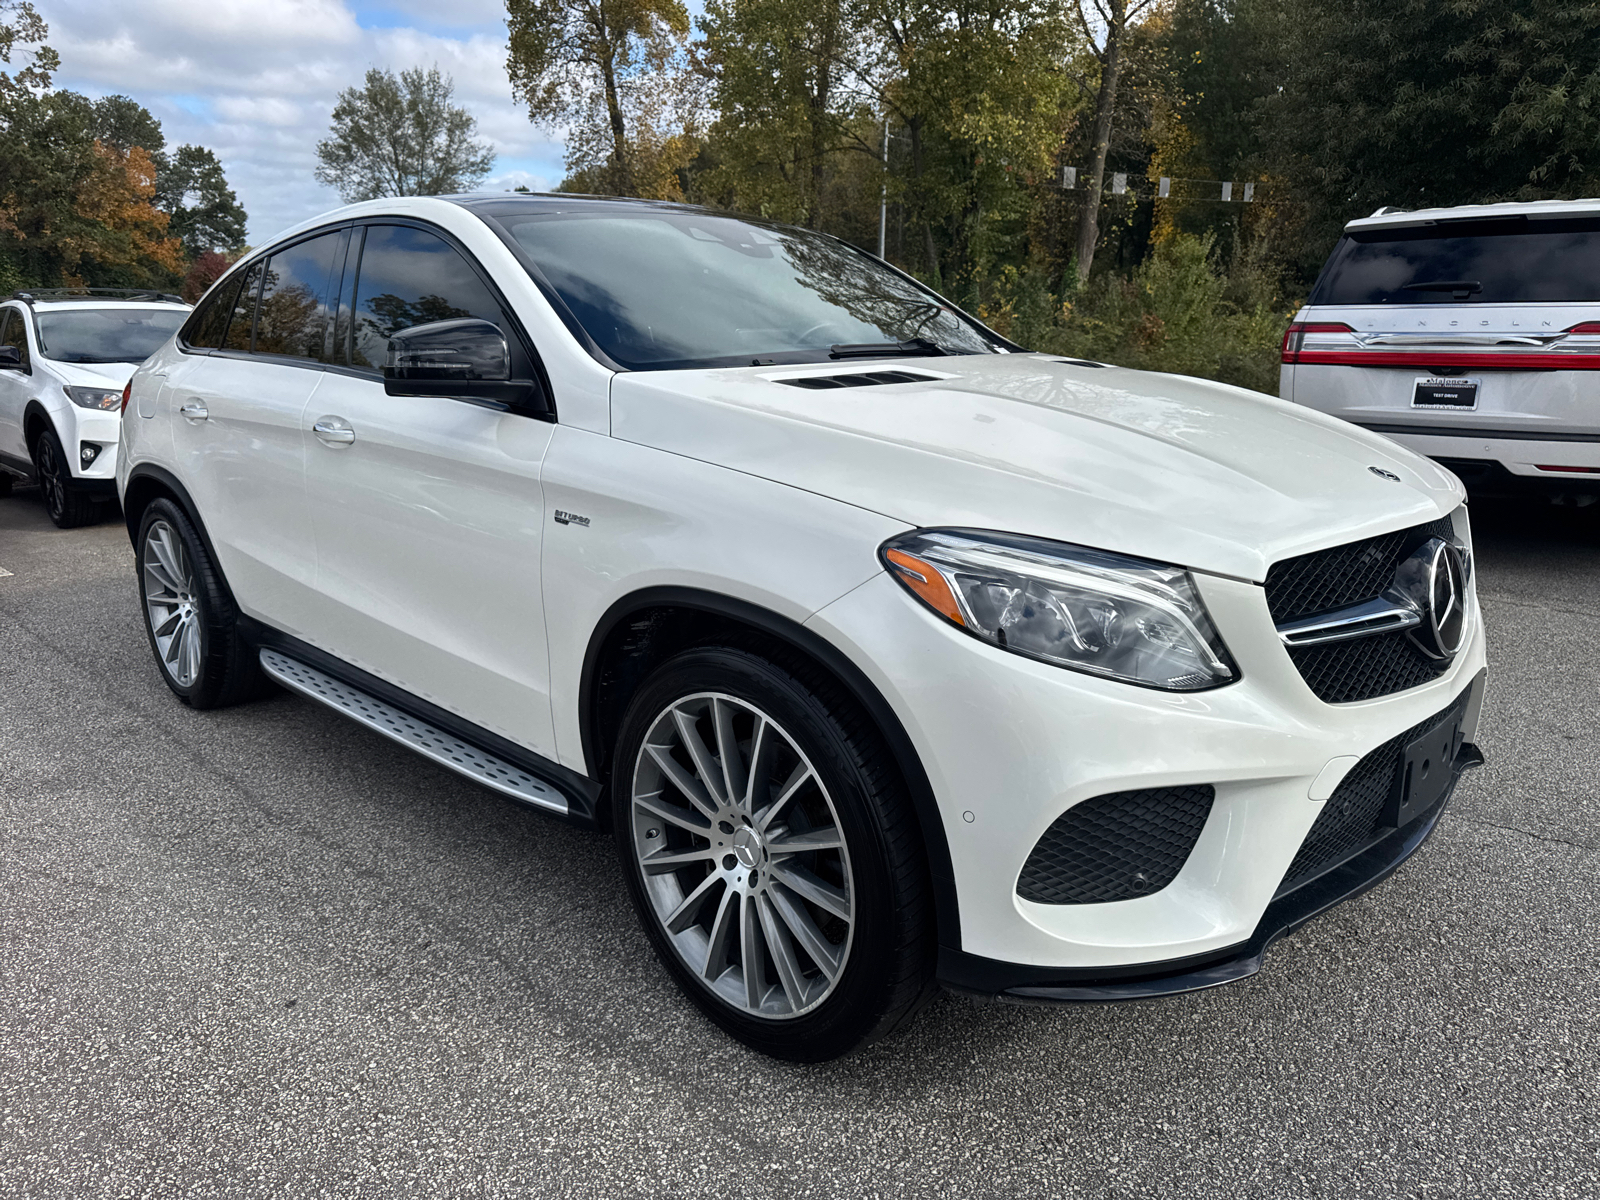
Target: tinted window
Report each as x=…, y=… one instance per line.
x=1498, y=262
x=106, y=335
x=210, y=321
x=14, y=332
x=243, y=312
x=297, y=297
x=676, y=289
x=412, y=277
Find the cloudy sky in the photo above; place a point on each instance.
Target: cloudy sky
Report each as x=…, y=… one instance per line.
x=256, y=80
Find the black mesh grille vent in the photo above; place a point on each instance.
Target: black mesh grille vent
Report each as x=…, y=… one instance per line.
x=1342, y=672
x=1116, y=847
x=1314, y=583
x=857, y=379
x=1353, y=817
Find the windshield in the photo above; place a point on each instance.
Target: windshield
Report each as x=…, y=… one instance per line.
x=676, y=289
x=1500, y=261
x=105, y=335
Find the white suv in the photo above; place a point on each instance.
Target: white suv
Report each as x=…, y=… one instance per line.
x=1471, y=335
x=65, y=356
x=890, y=654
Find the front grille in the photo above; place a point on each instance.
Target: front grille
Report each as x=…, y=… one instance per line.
x=1116, y=847
x=1353, y=817
x=1342, y=672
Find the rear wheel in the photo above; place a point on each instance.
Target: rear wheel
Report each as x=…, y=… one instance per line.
x=190, y=618
x=68, y=505
x=771, y=853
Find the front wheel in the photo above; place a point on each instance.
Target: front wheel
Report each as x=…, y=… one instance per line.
x=67, y=504
x=771, y=853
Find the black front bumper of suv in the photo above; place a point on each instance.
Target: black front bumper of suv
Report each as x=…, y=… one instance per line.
x=988, y=978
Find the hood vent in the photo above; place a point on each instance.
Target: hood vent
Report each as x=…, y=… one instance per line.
x=1079, y=362
x=819, y=383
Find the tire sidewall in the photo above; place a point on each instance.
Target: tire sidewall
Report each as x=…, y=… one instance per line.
x=48, y=449
x=856, y=1005
x=164, y=511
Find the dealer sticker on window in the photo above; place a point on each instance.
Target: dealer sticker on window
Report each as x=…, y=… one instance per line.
x=1446, y=393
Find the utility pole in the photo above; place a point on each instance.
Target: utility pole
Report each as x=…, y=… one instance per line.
x=883, y=195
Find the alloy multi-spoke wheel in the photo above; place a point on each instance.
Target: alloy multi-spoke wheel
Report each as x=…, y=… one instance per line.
x=771, y=850
x=190, y=616
x=742, y=856
x=171, y=604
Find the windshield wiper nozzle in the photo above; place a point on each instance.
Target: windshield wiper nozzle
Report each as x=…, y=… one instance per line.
x=905, y=349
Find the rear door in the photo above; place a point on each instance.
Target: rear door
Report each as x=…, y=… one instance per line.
x=238, y=431
x=428, y=510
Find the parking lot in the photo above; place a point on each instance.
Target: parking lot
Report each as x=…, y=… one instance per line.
x=265, y=952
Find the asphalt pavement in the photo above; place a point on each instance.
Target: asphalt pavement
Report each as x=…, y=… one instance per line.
x=264, y=952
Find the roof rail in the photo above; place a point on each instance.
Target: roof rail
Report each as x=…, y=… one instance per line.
x=1386, y=210
x=93, y=293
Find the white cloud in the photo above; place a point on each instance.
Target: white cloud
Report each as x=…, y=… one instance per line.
x=257, y=81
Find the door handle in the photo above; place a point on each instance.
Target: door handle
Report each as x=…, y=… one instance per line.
x=333, y=431
x=194, y=412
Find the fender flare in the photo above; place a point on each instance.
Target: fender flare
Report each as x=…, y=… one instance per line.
x=929, y=819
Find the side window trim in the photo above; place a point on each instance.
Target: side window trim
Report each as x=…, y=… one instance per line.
x=541, y=376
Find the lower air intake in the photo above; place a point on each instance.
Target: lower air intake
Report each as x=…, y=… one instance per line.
x=1116, y=847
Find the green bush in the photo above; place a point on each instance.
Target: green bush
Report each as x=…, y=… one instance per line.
x=1179, y=312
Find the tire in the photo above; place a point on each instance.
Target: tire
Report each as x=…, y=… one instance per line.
x=839, y=925
x=68, y=506
x=189, y=615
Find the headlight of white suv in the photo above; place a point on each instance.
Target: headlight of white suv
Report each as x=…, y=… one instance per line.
x=103, y=399
x=1125, y=618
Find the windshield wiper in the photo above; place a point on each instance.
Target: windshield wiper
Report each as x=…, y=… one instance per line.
x=905, y=349
x=1462, y=288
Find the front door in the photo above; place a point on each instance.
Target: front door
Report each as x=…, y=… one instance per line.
x=14, y=391
x=428, y=510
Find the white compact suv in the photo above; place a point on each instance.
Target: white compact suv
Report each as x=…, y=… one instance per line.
x=1471, y=335
x=891, y=655
x=65, y=356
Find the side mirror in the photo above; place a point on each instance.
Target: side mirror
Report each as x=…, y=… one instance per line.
x=10, y=358
x=465, y=359
x=449, y=351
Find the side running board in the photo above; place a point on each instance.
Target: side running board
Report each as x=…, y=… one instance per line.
x=427, y=740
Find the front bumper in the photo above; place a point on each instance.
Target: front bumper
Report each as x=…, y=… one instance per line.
x=986, y=978
x=1010, y=744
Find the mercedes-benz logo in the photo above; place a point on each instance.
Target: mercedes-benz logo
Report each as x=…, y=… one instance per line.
x=1382, y=474
x=1435, y=580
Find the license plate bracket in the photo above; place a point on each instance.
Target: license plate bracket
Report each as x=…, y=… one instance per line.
x=1440, y=391
x=1426, y=769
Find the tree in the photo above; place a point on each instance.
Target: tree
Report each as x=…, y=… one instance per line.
x=206, y=269
x=123, y=123
x=1106, y=25
x=206, y=214
x=402, y=137
x=126, y=240
x=21, y=26
x=572, y=61
x=778, y=68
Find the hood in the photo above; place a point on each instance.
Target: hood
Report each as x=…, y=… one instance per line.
x=94, y=374
x=1164, y=467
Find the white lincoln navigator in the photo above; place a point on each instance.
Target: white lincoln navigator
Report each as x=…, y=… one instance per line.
x=890, y=654
x=1471, y=335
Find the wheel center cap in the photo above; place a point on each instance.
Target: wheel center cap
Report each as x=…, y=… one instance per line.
x=747, y=847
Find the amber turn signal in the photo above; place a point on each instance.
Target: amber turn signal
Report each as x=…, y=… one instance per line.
x=925, y=583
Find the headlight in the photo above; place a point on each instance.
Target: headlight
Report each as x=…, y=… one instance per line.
x=93, y=397
x=1124, y=618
